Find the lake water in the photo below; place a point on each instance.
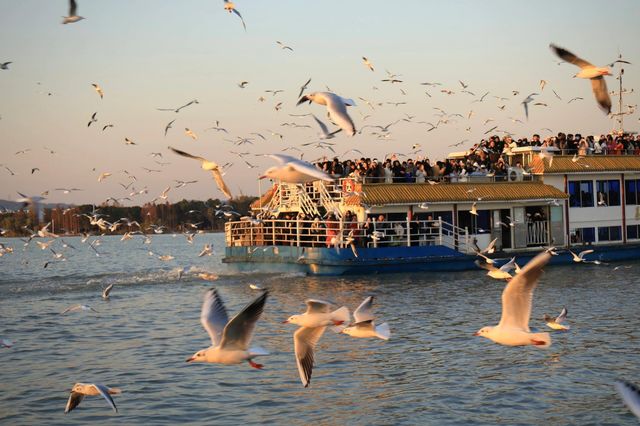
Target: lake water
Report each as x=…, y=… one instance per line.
x=432, y=371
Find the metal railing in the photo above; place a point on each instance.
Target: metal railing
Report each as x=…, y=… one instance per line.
x=320, y=233
x=537, y=233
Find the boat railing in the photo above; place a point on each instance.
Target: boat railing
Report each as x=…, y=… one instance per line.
x=322, y=233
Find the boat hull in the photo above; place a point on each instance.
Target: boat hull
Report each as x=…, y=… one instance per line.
x=331, y=261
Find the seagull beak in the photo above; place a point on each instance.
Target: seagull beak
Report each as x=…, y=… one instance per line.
x=285, y=322
x=477, y=333
x=263, y=177
x=303, y=99
x=189, y=359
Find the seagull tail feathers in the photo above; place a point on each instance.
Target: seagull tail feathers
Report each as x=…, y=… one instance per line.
x=257, y=351
x=340, y=318
x=382, y=331
x=541, y=340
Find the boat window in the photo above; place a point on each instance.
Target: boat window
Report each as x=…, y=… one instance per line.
x=632, y=232
x=583, y=235
x=475, y=224
x=609, y=233
x=631, y=191
x=581, y=193
x=608, y=192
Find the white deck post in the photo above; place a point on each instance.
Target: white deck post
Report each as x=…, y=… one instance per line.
x=439, y=229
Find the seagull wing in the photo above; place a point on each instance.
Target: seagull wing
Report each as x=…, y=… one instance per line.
x=238, y=332
x=70, y=308
x=304, y=343
x=310, y=170
x=315, y=306
x=517, y=296
x=107, y=290
x=630, y=394
x=282, y=159
x=562, y=316
x=582, y=254
x=222, y=186
x=338, y=114
x=75, y=398
x=363, y=312
x=240, y=16
x=213, y=316
x=186, y=154
x=323, y=127
x=104, y=391
x=599, y=87
x=565, y=55
x=73, y=6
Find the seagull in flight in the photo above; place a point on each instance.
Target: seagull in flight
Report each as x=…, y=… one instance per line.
x=525, y=103
x=210, y=166
x=5, y=65
x=93, y=119
x=336, y=108
x=517, y=299
x=590, y=71
x=230, y=339
x=98, y=90
x=367, y=63
x=167, y=127
x=292, y=170
x=304, y=87
x=283, y=46
x=230, y=7
x=80, y=390
x=364, y=325
x=177, y=110
x=73, y=17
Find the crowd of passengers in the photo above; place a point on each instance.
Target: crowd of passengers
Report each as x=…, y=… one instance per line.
x=324, y=232
x=487, y=158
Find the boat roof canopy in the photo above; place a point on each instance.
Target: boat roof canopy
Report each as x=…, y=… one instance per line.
x=413, y=193
x=562, y=164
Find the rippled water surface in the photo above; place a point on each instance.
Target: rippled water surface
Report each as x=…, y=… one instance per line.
x=432, y=371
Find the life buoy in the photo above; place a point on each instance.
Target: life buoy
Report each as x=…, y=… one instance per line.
x=348, y=185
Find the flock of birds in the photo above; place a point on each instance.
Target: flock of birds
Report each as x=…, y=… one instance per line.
x=295, y=170
x=231, y=338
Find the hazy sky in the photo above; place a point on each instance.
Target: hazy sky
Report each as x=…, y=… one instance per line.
x=149, y=54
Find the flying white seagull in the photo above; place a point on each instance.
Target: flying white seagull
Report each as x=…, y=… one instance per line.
x=631, y=396
x=364, y=325
x=73, y=6
x=588, y=70
x=230, y=339
x=292, y=170
x=312, y=325
x=336, y=108
x=517, y=298
x=557, y=323
x=80, y=390
x=208, y=165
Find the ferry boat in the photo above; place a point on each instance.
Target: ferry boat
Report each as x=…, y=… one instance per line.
x=350, y=227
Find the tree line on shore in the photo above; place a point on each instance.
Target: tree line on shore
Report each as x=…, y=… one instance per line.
x=183, y=216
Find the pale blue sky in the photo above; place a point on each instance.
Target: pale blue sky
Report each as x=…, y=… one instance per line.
x=148, y=54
